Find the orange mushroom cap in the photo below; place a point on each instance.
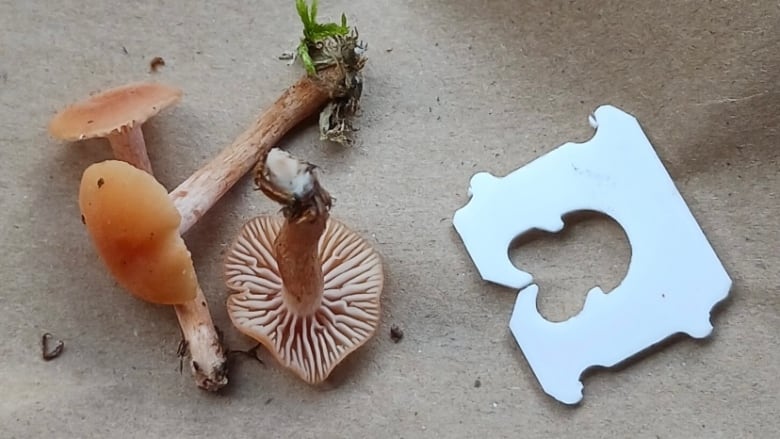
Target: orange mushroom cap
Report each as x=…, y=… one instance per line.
x=349, y=313
x=135, y=229
x=112, y=110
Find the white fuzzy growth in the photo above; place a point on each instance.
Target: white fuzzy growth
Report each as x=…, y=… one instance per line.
x=288, y=173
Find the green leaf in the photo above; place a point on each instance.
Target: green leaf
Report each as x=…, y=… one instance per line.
x=303, y=54
x=303, y=12
x=313, y=11
x=314, y=32
x=322, y=31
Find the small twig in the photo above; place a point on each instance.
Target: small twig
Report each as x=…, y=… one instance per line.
x=50, y=354
x=181, y=352
x=251, y=353
x=731, y=100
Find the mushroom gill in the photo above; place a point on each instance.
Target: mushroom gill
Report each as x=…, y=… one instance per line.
x=310, y=345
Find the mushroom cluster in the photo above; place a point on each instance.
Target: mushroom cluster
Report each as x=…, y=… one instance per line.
x=136, y=225
x=304, y=285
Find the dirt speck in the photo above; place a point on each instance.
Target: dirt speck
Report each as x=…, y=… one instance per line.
x=156, y=63
x=50, y=354
x=100, y=182
x=477, y=383
x=396, y=333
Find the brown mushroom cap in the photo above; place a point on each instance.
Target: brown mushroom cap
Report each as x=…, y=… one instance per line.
x=311, y=345
x=112, y=110
x=135, y=229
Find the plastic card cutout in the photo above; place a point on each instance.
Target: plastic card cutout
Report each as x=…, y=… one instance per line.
x=674, y=277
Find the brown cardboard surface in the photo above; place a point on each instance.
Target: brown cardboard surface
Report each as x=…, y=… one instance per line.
x=452, y=88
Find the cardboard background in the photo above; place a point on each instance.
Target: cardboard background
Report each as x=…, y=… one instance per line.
x=468, y=86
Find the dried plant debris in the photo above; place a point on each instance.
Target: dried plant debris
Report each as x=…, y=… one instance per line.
x=333, y=45
x=335, y=119
x=49, y=354
x=182, y=351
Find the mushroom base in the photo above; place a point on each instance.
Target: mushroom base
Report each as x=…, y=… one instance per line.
x=207, y=356
x=348, y=316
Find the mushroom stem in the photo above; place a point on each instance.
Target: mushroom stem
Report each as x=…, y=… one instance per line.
x=300, y=268
x=208, y=360
x=128, y=145
x=293, y=184
x=197, y=194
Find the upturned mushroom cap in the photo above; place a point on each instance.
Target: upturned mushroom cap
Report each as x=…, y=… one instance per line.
x=311, y=346
x=112, y=110
x=135, y=229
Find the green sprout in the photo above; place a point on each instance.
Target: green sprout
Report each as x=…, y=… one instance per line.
x=314, y=33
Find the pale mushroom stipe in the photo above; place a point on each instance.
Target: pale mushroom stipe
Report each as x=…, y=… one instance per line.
x=117, y=115
x=304, y=285
x=196, y=195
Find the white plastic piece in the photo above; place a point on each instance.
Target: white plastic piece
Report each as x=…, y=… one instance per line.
x=674, y=278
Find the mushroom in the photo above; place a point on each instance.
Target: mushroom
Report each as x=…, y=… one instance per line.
x=303, y=285
x=116, y=114
x=135, y=229
x=134, y=226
